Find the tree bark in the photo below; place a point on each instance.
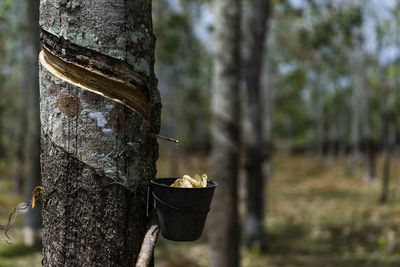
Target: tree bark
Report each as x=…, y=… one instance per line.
x=89, y=141
x=224, y=235
x=256, y=13
x=356, y=99
x=33, y=221
x=365, y=96
x=2, y=102
x=19, y=159
x=20, y=155
x=320, y=120
x=389, y=140
x=267, y=135
x=21, y=122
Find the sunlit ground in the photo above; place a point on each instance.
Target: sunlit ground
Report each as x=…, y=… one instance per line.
x=16, y=254
x=318, y=216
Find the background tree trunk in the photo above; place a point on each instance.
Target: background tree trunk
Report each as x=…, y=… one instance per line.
x=356, y=156
x=89, y=141
x=256, y=13
x=320, y=118
x=33, y=221
x=19, y=159
x=20, y=148
x=388, y=143
x=2, y=101
x=370, y=150
x=224, y=236
x=267, y=123
x=170, y=117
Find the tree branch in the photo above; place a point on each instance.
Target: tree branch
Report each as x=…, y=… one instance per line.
x=149, y=242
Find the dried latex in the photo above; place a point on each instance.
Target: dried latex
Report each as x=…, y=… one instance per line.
x=187, y=182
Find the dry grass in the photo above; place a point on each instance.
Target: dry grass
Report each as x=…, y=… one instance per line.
x=16, y=254
x=318, y=216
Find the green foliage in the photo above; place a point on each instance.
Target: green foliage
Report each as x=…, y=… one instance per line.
x=183, y=66
x=382, y=242
x=324, y=47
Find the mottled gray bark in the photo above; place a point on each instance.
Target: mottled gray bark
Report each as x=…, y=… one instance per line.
x=89, y=141
x=33, y=221
x=256, y=13
x=224, y=234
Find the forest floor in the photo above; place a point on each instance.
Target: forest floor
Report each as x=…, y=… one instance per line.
x=318, y=215
x=15, y=254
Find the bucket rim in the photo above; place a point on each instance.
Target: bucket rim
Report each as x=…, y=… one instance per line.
x=153, y=181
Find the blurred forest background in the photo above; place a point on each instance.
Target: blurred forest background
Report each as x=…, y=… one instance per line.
x=330, y=99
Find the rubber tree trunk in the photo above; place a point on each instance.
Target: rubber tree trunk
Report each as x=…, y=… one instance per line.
x=355, y=132
x=388, y=143
x=21, y=129
x=33, y=221
x=369, y=149
x=19, y=158
x=320, y=120
x=169, y=95
x=370, y=160
x=89, y=141
x=20, y=148
x=256, y=13
x=2, y=103
x=224, y=235
x=267, y=123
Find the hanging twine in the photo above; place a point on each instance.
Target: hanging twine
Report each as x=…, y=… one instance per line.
x=39, y=193
x=115, y=88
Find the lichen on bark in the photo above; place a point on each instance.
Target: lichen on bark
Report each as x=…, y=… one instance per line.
x=88, y=140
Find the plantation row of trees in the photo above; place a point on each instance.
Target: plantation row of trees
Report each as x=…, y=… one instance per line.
x=330, y=69
x=325, y=58
x=238, y=79
x=328, y=87
x=235, y=60
x=336, y=66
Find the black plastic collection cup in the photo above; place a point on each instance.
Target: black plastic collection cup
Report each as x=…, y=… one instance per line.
x=181, y=212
